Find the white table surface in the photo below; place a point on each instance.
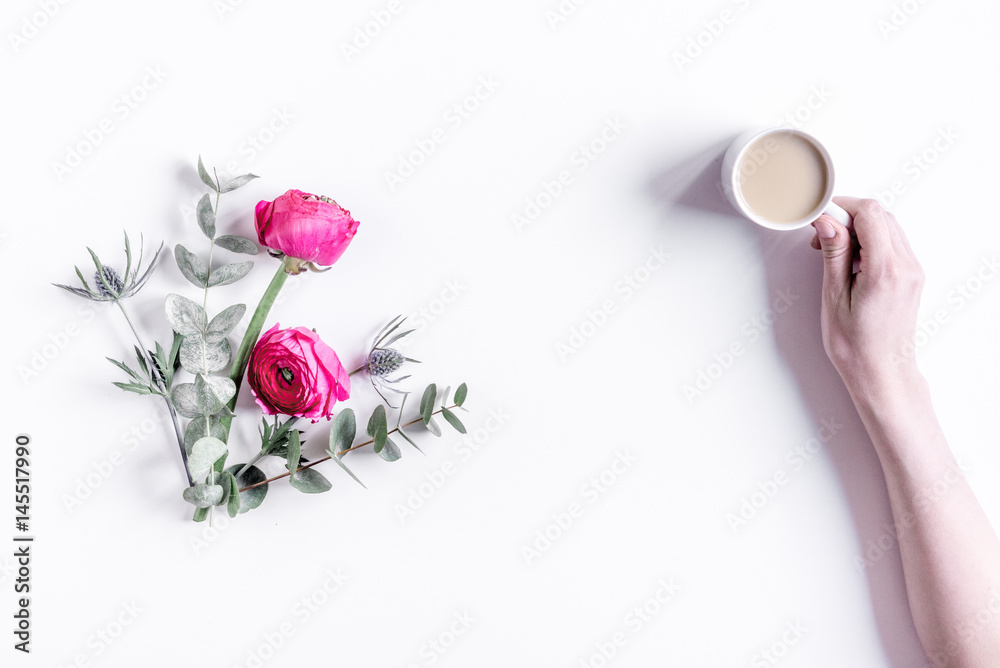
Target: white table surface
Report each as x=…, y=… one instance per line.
x=455, y=583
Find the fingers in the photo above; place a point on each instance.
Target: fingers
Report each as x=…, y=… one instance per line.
x=899, y=240
x=871, y=227
x=835, y=241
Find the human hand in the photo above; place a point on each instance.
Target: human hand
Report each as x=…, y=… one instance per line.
x=869, y=319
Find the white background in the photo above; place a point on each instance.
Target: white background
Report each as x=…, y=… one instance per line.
x=214, y=597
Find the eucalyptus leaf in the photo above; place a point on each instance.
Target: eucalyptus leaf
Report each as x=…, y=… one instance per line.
x=251, y=498
x=223, y=481
x=198, y=356
x=200, y=514
x=196, y=429
x=222, y=324
x=233, y=506
x=191, y=266
x=343, y=431
x=238, y=182
x=310, y=481
x=453, y=420
x=294, y=451
x=461, y=393
x=203, y=496
x=378, y=427
x=341, y=464
x=206, y=216
x=206, y=178
x=433, y=428
x=390, y=452
x=220, y=463
x=427, y=403
x=185, y=400
x=230, y=273
x=205, y=452
x=237, y=244
x=222, y=387
x=208, y=402
x=410, y=441
x=185, y=316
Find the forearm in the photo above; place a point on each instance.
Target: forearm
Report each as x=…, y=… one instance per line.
x=950, y=553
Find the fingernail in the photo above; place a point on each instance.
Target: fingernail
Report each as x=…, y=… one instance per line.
x=824, y=229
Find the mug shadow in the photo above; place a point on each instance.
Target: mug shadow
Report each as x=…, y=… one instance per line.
x=790, y=262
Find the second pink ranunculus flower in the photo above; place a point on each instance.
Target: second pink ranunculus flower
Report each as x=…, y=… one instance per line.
x=308, y=229
x=292, y=372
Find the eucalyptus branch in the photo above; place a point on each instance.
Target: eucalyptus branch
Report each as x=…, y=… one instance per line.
x=359, y=445
x=205, y=349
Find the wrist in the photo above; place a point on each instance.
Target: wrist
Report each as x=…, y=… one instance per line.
x=883, y=388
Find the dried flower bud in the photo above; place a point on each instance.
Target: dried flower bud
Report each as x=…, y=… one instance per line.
x=112, y=278
x=383, y=361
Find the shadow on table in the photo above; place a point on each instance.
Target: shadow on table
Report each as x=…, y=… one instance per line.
x=790, y=263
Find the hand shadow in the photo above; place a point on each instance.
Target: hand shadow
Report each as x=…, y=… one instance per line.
x=789, y=262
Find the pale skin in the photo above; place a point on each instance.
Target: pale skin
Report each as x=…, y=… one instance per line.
x=949, y=550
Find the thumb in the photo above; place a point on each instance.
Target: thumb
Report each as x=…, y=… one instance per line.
x=835, y=242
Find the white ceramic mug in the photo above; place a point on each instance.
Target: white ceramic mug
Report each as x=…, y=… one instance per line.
x=731, y=181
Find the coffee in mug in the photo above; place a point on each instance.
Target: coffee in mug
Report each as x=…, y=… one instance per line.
x=780, y=178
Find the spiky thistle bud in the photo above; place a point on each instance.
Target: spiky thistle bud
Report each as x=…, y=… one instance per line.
x=383, y=361
x=112, y=278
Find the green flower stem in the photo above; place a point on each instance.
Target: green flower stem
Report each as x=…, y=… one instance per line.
x=358, y=370
x=359, y=445
x=250, y=338
x=166, y=397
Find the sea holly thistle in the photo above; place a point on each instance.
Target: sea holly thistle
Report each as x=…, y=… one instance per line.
x=382, y=361
x=109, y=285
x=155, y=371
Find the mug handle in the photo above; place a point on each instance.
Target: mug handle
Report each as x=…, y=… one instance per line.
x=845, y=219
x=839, y=215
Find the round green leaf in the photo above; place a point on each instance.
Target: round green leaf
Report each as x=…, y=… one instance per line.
x=185, y=400
x=237, y=244
x=198, y=356
x=191, y=266
x=390, y=452
x=310, y=481
x=196, y=430
x=427, y=402
x=206, y=216
x=203, y=496
x=378, y=427
x=453, y=420
x=343, y=431
x=251, y=498
x=229, y=273
x=204, y=453
x=224, y=323
x=461, y=393
x=185, y=316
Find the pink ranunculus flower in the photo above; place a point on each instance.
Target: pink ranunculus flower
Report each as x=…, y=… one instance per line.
x=292, y=372
x=309, y=230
